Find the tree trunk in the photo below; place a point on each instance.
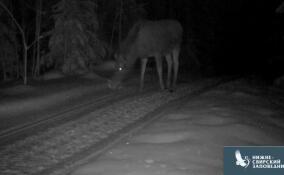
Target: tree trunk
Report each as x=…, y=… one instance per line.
x=120, y=22
x=4, y=67
x=38, y=25
x=25, y=54
x=18, y=63
x=34, y=61
x=4, y=71
x=113, y=29
x=65, y=53
x=25, y=47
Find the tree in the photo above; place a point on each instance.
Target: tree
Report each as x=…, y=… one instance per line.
x=37, y=61
x=24, y=41
x=74, y=43
x=126, y=12
x=8, y=51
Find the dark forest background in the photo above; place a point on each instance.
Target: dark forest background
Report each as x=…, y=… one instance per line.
x=220, y=36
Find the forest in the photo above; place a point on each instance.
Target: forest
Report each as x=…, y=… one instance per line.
x=72, y=36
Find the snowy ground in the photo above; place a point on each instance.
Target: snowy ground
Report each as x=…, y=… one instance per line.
x=187, y=140
x=59, y=146
x=190, y=140
x=20, y=104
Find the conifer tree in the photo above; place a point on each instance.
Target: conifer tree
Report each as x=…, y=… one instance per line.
x=74, y=43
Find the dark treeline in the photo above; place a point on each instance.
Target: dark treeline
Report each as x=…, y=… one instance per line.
x=237, y=36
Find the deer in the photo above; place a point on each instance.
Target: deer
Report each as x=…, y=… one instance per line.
x=159, y=39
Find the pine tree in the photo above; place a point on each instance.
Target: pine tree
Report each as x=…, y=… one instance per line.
x=74, y=43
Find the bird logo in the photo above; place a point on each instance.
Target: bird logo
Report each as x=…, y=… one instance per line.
x=240, y=161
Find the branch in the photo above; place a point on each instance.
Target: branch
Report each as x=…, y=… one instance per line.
x=15, y=21
x=34, y=9
x=39, y=38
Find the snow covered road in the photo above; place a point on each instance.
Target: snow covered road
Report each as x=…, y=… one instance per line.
x=190, y=140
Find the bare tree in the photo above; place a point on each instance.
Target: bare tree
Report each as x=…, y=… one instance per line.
x=24, y=42
x=25, y=45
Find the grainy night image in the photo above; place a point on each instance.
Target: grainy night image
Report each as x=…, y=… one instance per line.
x=138, y=87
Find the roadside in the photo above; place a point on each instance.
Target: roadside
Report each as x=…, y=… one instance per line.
x=59, y=147
x=21, y=104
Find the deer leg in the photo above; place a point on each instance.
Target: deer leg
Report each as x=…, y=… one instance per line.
x=176, y=65
x=143, y=68
x=160, y=71
x=170, y=64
